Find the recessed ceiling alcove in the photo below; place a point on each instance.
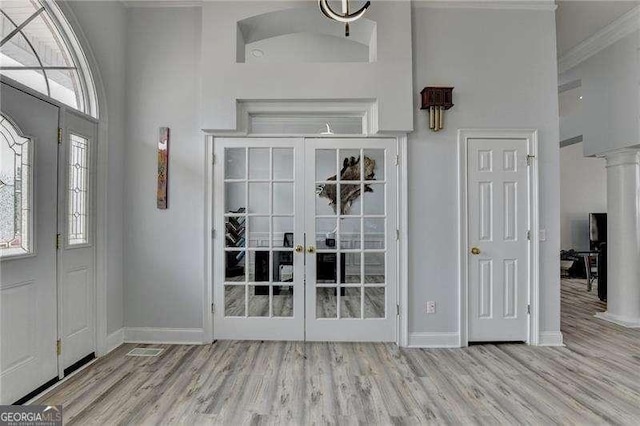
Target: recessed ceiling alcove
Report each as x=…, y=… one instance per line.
x=303, y=35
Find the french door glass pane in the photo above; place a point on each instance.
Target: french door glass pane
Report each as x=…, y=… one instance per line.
x=235, y=197
x=235, y=163
x=259, y=164
x=326, y=302
x=282, y=163
x=234, y=299
x=350, y=302
x=374, y=302
x=326, y=164
x=258, y=300
x=283, y=301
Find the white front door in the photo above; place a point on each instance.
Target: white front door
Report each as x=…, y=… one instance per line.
x=76, y=275
x=305, y=242
x=498, y=252
x=28, y=175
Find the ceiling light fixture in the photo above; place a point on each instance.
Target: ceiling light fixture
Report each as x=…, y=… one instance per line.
x=345, y=17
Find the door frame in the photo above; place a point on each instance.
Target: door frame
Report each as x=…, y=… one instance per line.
x=533, y=285
x=402, y=274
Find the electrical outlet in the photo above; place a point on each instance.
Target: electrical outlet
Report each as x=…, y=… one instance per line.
x=431, y=307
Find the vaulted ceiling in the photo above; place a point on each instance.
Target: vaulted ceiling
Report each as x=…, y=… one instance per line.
x=577, y=20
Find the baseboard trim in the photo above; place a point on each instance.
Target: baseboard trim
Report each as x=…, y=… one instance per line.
x=550, y=338
x=115, y=339
x=623, y=321
x=434, y=340
x=179, y=336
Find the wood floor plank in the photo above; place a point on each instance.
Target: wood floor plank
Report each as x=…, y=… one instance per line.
x=594, y=379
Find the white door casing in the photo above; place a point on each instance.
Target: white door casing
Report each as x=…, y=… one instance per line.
x=361, y=263
x=76, y=254
x=498, y=245
x=28, y=282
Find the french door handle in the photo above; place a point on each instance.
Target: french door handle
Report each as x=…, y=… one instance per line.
x=311, y=249
x=299, y=248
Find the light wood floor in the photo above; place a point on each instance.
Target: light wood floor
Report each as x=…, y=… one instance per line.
x=595, y=379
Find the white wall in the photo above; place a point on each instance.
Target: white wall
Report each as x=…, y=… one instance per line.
x=583, y=190
x=164, y=249
x=104, y=25
x=610, y=114
x=225, y=81
x=501, y=62
x=503, y=67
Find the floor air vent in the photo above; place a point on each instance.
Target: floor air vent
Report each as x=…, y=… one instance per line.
x=145, y=352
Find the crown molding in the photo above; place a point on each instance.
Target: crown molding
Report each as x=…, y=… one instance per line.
x=617, y=30
x=487, y=4
x=161, y=3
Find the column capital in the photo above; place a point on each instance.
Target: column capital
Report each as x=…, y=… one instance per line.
x=624, y=156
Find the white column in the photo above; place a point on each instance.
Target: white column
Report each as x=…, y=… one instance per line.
x=623, y=237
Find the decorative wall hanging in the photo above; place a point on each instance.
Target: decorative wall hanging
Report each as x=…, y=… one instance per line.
x=437, y=100
x=163, y=168
x=345, y=17
x=348, y=193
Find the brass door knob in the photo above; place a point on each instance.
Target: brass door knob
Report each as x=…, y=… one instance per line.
x=299, y=249
x=311, y=249
x=475, y=251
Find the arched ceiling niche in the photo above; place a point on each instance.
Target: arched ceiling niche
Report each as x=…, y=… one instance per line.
x=303, y=35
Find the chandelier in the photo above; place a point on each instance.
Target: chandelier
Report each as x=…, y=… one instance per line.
x=345, y=17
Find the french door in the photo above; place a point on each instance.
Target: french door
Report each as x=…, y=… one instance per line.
x=305, y=244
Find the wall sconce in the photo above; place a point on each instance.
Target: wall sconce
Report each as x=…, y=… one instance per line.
x=437, y=100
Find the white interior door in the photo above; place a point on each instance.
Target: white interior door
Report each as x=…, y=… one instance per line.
x=258, y=274
x=76, y=255
x=27, y=243
x=498, y=208
x=351, y=205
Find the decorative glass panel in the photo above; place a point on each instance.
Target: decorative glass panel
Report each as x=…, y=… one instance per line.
x=35, y=53
x=78, y=210
x=15, y=191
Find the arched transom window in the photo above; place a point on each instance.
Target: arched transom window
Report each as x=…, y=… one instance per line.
x=39, y=50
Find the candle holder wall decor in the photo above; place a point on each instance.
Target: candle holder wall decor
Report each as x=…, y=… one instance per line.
x=437, y=100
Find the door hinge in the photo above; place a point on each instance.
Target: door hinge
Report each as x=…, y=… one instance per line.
x=397, y=235
x=213, y=308
x=213, y=159
x=530, y=159
x=59, y=135
x=57, y=241
x=59, y=347
x=529, y=235
x=397, y=310
x=213, y=233
x=528, y=309
x=397, y=160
